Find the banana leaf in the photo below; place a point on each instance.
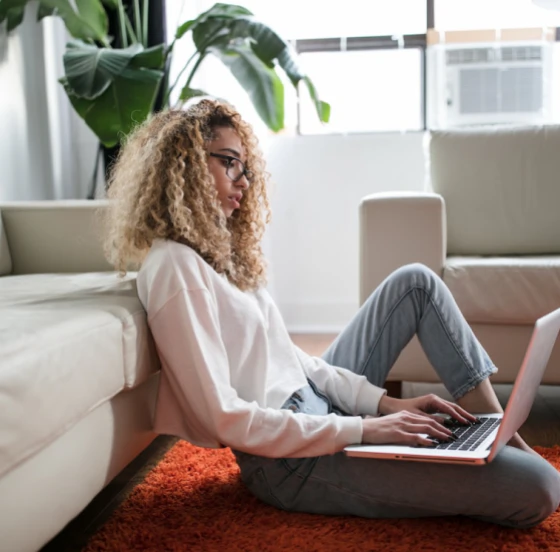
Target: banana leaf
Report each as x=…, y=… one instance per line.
x=223, y=25
x=87, y=22
x=12, y=11
x=260, y=81
x=112, y=89
x=125, y=103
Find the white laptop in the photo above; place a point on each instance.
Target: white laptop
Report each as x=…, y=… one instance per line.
x=480, y=443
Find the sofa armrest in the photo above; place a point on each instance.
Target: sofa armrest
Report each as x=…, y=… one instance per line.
x=399, y=228
x=54, y=236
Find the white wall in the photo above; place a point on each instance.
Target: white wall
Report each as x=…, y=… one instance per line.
x=313, y=238
x=23, y=158
x=37, y=150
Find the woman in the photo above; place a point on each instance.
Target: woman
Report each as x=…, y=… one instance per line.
x=189, y=205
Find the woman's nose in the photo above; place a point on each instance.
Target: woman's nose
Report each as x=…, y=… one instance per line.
x=243, y=182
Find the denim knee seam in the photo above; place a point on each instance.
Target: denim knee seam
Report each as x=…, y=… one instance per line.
x=474, y=373
x=451, y=338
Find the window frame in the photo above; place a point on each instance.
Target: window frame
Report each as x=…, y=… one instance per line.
x=375, y=42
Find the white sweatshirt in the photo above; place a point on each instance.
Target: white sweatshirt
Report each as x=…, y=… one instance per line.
x=228, y=365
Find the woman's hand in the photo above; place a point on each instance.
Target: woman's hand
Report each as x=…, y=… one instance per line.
x=403, y=428
x=408, y=421
x=424, y=406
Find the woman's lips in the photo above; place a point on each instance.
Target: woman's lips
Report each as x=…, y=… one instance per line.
x=234, y=202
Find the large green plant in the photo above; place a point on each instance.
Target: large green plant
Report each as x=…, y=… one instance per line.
x=112, y=89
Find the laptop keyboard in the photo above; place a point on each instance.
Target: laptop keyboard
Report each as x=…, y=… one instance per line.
x=469, y=437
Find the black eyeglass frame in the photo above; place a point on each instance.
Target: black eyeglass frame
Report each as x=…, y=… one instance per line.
x=246, y=173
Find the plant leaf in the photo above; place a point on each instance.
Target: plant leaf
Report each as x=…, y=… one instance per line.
x=184, y=28
x=265, y=43
x=113, y=4
x=187, y=93
x=6, y=5
x=224, y=10
x=323, y=108
x=210, y=33
x=288, y=61
x=89, y=22
x=126, y=102
x=14, y=17
x=220, y=11
x=91, y=70
x=213, y=24
x=260, y=81
x=94, y=14
x=151, y=58
x=13, y=12
x=44, y=11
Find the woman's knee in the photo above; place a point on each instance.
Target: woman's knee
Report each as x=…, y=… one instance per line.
x=541, y=493
x=546, y=494
x=415, y=274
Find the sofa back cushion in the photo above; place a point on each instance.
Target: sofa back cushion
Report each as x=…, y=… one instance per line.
x=5, y=257
x=55, y=236
x=501, y=188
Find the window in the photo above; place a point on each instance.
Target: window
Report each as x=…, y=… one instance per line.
x=369, y=90
x=407, y=65
x=472, y=15
x=299, y=19
x=366, y=58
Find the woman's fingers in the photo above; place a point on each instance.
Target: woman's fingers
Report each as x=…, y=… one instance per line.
x=457, y=413
x=416, y=423
x=454, y=410
x=421, y=441
x=404, y=427
x=434, y=430
x=415, y=439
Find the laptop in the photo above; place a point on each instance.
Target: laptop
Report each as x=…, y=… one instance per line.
x=480, y=443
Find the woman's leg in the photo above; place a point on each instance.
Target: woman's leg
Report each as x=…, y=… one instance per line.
x=412, y=300
x=516, y=489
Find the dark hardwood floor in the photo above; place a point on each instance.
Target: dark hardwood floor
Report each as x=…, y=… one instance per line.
x=542, y=428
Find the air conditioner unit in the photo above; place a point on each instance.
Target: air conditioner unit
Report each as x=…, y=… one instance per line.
x=491, y=84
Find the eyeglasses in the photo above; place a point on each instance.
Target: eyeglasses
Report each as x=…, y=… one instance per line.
x=235, y=169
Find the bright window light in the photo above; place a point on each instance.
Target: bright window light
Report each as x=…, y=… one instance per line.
x=370, y=90
x=460, y=15
x=295, y=19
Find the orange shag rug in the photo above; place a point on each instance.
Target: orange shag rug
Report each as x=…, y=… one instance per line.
x=193, y=500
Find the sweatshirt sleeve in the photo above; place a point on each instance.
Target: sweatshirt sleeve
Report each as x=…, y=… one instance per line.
x=349, y=391
x=187, y=334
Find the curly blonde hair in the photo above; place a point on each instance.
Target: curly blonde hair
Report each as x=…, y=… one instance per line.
x=160, y=187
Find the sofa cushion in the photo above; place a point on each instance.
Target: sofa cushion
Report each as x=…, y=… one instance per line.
x=501, y=189
x=5, y=257
x=48, y=237
x=504, y=290
x=68, y=342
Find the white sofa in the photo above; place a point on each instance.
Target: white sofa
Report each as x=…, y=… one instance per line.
x=78, y=369
x=490, y=227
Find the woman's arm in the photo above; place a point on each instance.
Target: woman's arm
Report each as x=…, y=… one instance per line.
x=187, y=334
x=348, y=391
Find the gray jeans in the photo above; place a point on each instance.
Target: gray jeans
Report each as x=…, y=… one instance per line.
x=517, y=489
